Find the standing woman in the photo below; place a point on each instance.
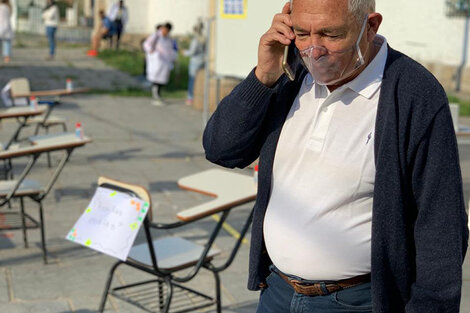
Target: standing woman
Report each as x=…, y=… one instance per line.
x=196, y=52
x=51, y=16
x=6, y=33
x=160, y=57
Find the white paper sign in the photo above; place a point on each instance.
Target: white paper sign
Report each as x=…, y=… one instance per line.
x=110, y=223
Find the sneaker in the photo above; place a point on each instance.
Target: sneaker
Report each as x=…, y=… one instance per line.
x=189, y=101
x=158, y=102
x=50, y=58
x=92, y=53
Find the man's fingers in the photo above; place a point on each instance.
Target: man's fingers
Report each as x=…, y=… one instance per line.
x=283, y=29
x=286, y=8
x=272, y=38
x=282, y=18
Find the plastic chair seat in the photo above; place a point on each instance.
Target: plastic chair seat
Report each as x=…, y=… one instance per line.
x=27, y=188
x=174, y=253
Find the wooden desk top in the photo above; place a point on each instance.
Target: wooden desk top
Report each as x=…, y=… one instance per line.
x=67, y=140
x=229, y=188
x=55, y=139
x=22, y=111
x=52, y=93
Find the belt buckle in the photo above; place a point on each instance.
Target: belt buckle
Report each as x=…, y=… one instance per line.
x=308, y=289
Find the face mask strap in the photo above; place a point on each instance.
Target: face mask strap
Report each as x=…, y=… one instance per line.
x=361, y=57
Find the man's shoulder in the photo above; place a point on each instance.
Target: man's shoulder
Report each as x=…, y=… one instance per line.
x=407, y=70
x=410, y=77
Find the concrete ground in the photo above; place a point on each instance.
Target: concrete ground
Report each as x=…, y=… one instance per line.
x=132, y=141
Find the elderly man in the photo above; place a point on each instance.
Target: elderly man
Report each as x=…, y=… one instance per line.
x=360, y=205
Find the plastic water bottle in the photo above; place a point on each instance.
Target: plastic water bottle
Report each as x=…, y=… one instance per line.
x=255, y=175
x=33, y=103
x=69, y=84
x=79, y=130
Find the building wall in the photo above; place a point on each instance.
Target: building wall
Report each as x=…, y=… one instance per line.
x=183, y=14
x=145, y=14
x=420, y=29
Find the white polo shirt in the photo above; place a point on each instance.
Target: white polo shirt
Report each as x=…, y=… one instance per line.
x=318, y=220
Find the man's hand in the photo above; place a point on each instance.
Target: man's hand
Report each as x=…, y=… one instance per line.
x=271, y=47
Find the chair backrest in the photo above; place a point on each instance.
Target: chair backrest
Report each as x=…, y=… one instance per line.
x=19, y=86
x=140, y=191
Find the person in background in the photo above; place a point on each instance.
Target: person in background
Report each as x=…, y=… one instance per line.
x=105, y=31
x=119, y=16
x=6, y=33
x=196, y=52
x=51, y=17
x=160, y=56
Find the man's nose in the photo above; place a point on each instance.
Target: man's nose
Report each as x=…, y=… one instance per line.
x=318, y=52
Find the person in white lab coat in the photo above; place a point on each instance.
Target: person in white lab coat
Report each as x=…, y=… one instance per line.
x=160, y=57
x=6, y=33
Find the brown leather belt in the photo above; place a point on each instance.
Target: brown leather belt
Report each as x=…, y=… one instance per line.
x=317, y=290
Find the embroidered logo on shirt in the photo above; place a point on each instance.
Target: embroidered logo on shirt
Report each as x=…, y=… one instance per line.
x=369, y=137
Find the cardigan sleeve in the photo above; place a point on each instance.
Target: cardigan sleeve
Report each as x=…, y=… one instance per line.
x=440, y=232
x=234, y=134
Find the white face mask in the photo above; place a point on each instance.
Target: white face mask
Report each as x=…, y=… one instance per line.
x=325, y=71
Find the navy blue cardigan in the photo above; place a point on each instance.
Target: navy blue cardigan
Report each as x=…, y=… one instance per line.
x=419, y=223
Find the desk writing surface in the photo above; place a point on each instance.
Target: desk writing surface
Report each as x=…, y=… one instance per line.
x=229, y=188
x=22, y=111
x=54, y=139
x=46, y=145
x=52, y=93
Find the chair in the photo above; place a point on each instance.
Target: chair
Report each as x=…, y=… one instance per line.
x=166, y=258
x=20, y=89
x=21, y=187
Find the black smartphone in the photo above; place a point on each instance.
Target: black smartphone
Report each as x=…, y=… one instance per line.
x=290, y=60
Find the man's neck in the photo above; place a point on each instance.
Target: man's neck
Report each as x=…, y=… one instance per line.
x=372, y=51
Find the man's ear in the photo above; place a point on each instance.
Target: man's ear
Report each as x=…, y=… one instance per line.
x=374, y=21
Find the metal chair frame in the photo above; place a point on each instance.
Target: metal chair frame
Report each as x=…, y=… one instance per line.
x=167, y=277
x=36, y=197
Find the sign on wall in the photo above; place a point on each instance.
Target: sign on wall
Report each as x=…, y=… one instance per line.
x=233, y=9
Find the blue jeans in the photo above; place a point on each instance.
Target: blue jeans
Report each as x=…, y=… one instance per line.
x=50, y=32
x=280, y=297
x=6, y=47
x=191, y=87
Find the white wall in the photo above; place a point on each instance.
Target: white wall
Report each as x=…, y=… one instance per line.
x=145, y=14
x=421, y=29
x=237, y=39
x=182, y=14
x=418, y=28
x=14, y=13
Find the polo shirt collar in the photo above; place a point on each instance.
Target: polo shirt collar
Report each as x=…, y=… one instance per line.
x=370, y=80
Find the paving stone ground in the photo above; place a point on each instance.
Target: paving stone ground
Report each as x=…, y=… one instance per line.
x=132, y=141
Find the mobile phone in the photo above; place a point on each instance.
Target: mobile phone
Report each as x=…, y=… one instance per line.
x=289, y=60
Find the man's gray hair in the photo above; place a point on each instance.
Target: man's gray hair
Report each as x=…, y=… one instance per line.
x=361, y=7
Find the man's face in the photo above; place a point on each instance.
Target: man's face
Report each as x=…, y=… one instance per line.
x=326, y=23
